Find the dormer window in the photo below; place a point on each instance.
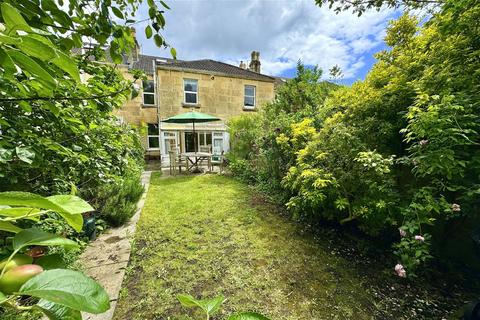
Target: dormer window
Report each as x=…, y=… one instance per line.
x=190, y=91
x=249, y=97
x=148, y=93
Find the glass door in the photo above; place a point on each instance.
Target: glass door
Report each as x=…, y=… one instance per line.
x=169, y=142
x=189, y=142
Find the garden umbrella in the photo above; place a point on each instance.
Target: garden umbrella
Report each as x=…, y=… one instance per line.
x=192, y=117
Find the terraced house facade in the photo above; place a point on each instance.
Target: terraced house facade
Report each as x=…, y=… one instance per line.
x=207, y=86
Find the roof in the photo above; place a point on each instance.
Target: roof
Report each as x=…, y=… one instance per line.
x=212, y=66
x=146, y=62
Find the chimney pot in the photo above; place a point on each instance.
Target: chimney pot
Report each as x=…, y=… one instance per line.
x=255, y=62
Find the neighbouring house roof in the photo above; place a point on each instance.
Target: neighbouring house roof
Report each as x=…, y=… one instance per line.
x=214, y=67
x=146, y=63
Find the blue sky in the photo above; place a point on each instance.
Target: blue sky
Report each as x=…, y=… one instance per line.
x=283, y=31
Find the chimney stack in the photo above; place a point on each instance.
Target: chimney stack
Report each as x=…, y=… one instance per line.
x=255, y=62
x=136, y=49
x=243, y=65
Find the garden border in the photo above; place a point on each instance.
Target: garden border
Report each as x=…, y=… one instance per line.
x=106, y=258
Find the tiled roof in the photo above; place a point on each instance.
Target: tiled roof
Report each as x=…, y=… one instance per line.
x=146, y=63
x=215, y=67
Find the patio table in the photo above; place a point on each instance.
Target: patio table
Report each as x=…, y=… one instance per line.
x=195, y=158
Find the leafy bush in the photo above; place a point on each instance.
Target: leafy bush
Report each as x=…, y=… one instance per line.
x=396, y=154
x=119, y=200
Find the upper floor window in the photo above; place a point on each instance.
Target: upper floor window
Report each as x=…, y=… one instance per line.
x=249, y=100
x=191, y=91
x=148, y=92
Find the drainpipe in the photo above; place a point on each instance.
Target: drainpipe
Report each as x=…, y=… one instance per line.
x=157, y=102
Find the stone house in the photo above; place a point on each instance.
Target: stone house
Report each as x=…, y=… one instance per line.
x=208, y=86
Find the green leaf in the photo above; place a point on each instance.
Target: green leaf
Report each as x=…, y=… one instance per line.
x=9, y=40
x=151, y=3
x=68, y=288
x=19, y=212
x=247, y=316
x=36, y=48
x=164, y=4
x=13, y=19
x=67, y=64
x=9, y=227
x=25, y=154
x=210, y=306
x=6, y=63
x=5, y=155
x=30, y=66
x=117, y=12
x=33, y=236
x=158, y=40
x=52, y=261
x=71, y=204
x=148, y=31
x=173, y=52
x=68, y=206
x=57, y=312
x=3, y=297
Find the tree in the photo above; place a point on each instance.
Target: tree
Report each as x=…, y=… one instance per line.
x=360, y=6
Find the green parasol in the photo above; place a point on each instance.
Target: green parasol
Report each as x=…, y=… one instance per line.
x=192, y=117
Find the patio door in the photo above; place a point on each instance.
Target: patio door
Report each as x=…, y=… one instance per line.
x=189, y=142
x=169, y=141
x=217, y=143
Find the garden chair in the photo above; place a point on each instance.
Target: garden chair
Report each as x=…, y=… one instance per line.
x=176, y=161
x=206, y=149
x=218, y=159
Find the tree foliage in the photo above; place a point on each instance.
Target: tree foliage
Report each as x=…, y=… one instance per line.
x=399, y=150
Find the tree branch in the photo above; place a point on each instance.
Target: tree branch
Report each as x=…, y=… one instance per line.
x=58, y=98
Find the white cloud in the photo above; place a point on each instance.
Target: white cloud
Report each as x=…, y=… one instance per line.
x=284, y=31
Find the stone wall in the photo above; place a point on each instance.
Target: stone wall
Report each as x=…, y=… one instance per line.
x=133, y=112
x=221, y=96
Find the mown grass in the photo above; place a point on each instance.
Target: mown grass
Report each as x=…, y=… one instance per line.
x=208, y=235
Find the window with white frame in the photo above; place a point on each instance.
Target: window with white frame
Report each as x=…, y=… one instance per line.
x=148, y=93
x=191, y=91
x=153, y=138
x=249, y=99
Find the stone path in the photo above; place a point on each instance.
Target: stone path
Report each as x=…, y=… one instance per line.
x=106, y=258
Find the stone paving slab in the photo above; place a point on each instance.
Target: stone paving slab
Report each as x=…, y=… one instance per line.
x=106, y=258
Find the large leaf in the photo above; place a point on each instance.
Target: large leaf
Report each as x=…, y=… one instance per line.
x=13, y=19
x=9, y=227
x=33, y=236
x=71, y=204
x=25, y=154
x=57, y=312
x=20, y=212
x=3, y=297
x=210, y=306
x=68, y=288
x=30, y=66
x=36, y=48
x=247, y=316
x=52, y=261
x=66, y=63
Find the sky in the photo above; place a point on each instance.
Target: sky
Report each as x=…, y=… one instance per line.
x=283, y=31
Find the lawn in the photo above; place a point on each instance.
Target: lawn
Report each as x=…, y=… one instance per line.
x=209, y=234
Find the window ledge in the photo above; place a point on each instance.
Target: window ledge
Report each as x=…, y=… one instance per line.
x=191, y=105
x=149, y=105
x=249, y=109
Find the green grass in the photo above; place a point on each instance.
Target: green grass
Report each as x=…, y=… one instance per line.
x=208, y=235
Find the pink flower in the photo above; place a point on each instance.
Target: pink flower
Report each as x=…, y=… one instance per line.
x=419, y=238
x=456, y=207
x=400, y=271
x=423, y=142
x=403, y=233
